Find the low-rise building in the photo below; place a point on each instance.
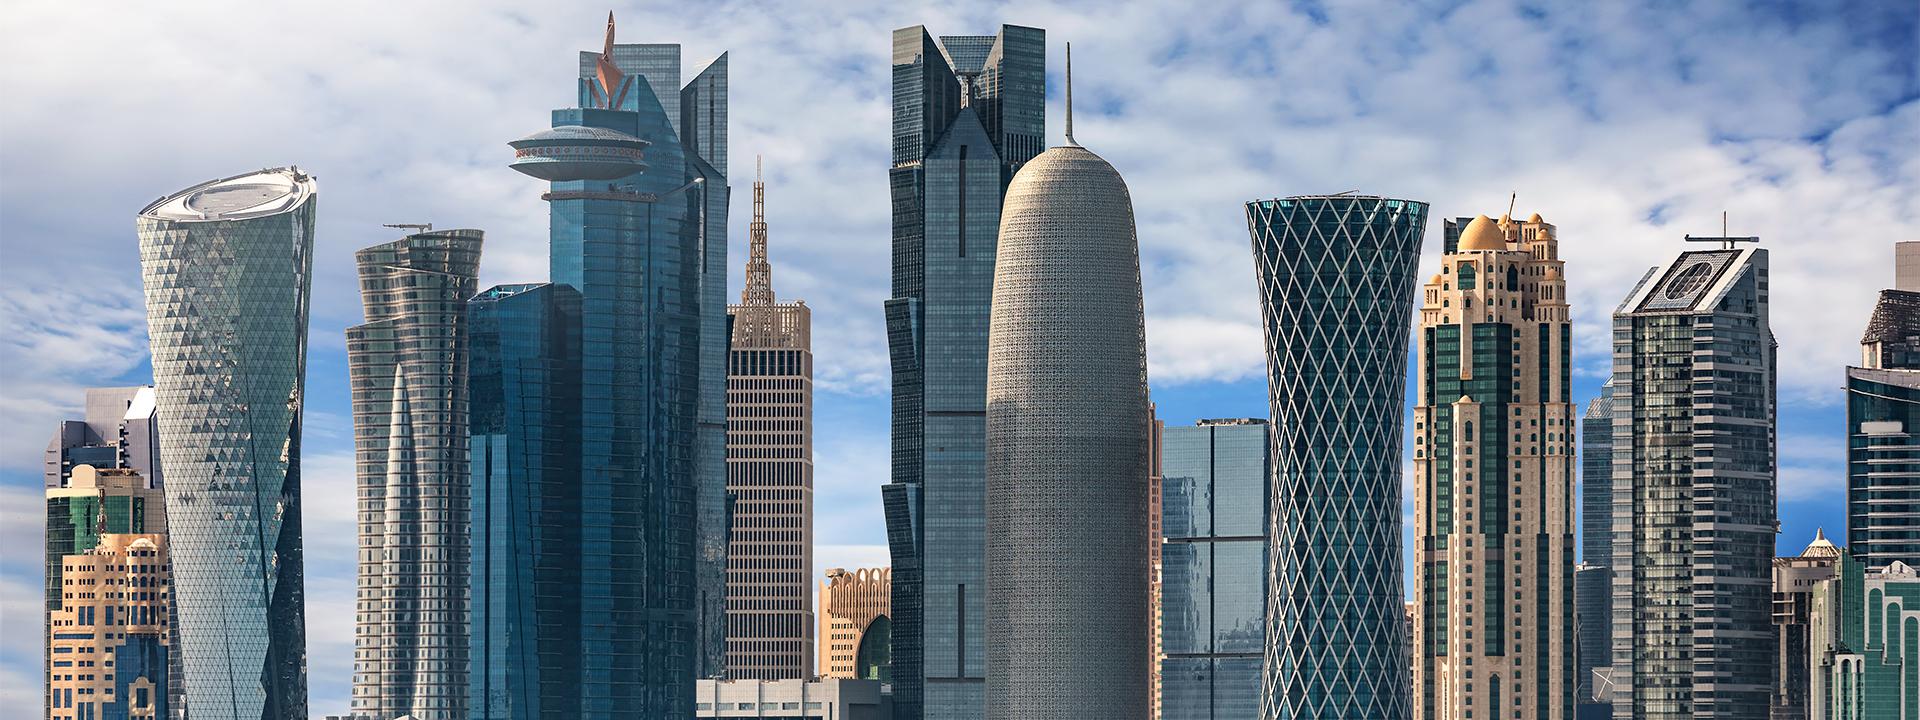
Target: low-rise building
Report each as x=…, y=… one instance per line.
x=823, y=699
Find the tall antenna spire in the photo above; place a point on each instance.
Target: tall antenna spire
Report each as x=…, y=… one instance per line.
x=759, y=290
x=607, y=73
x=1070, y=96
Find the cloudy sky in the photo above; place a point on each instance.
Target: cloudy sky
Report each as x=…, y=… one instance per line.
x=1628, y=125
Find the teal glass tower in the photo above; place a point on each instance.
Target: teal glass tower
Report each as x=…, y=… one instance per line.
x=1883, y=412
x=1336, y=276
x=608, y=599
x=227, y=267
x=968, y=111
x=1213, y=605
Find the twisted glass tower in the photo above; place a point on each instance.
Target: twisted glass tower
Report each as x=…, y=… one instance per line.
x=227, y=266
x=408, y=368
x=968, y=111
x=1336, y=277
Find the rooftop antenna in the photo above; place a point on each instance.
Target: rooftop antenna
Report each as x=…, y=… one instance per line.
x=1070, y=141
x=1727, y=242
x=416, y=227
x=1511, y=200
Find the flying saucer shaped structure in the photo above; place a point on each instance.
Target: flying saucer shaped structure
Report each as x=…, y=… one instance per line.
x=574, y=152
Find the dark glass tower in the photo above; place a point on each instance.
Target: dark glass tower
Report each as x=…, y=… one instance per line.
x=1694, y=491
x=1214, y=569
x=1593, y=578
x=227, y=267
x=622, y=585
x=1336, y=278
x=1883, y=415
x=968, y=111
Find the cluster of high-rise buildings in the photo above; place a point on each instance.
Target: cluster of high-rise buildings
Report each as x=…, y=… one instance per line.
x=591, y=497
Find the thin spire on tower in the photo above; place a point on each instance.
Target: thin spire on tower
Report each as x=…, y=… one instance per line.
x=759, y=290
x=1070, y=96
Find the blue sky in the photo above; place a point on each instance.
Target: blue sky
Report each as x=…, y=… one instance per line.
x=1626, y=124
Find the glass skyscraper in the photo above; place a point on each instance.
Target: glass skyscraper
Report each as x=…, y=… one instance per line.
x=1694, y=491
x=607, y=600
x=1593, y=578
x=227, y=266
x=968, y=111
x=1336, y=276
x=1883, y=416
x=1213, y=620
x=407, y=366
x=1493, y=477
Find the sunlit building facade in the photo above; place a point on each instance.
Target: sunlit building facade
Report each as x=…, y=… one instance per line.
x=1336, y=275
x=110, y=641
x=407, y=366
x=227, y=266
x=856, y=627
x=968, y=112
x=1694, y=490
x=1493, y=433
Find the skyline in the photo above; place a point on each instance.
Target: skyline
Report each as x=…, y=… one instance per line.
x=1187, y=334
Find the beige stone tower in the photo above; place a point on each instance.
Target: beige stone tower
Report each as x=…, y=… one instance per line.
x=1493, y=472
x=769, y=474
x=109, y=640
x=855, y=604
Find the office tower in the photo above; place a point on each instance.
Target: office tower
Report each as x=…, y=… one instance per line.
x=1336, y=275
x=1883, y=403
x=1067, y=442
x=1593, y=578
x=856, y=626
x=227, y=266
x=1213, y=611
x=968, y=112
x=118, y=432
x=600, y=600
x=1156, y=535
x=1493, y=477
x=90, y=505
x=1795, y=580
x=1865, y=659
x=1593, y=633
x=109, y=645
x=408, y=371
x=1693, y=379
x=769, y=475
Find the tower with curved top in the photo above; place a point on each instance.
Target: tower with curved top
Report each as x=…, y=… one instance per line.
x=227, y=266
x=1067, y=431
x=1336, y=278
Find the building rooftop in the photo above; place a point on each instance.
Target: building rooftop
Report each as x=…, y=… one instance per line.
x=241, y=197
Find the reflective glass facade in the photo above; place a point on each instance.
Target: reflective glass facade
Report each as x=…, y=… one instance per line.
x=1214, y=569
x=1883, y=454
x=1593, y=580
x=1336, y=277
x=408, y=371
x=950, y=169
x=227, y=267
x=608, y=600
x=1694, y=491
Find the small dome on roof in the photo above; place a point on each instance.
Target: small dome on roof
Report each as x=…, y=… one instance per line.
x=1821, y=547
x=1535, y=218
x=1482, y=234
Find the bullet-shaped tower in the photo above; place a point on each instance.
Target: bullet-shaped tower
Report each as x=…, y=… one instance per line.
x=1067, y=621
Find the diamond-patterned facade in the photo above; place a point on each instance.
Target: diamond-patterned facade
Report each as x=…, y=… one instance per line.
x=227, y=267
x=1336, y=278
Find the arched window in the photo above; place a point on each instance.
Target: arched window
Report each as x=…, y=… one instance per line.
x=1466, y=276
x=1513, y=277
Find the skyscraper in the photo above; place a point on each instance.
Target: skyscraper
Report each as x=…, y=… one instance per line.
x=770, y=475
x=968, y=111
x=1067, y=435
x=856, y=629
x=1213, y=611
x=91, y=506
x=1336, y=275
x=227, y=266
x=596, y=597
x=1865, y=662
x=1883, y=411
x=1493, y=477
x=1693, y=489
x=109, y=639
x=408, y=369
x=1593, y=578
x=118, y=432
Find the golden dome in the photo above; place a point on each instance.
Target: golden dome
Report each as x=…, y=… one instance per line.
x=1482, y=234
x=1436, y=279
x=1535, y=218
